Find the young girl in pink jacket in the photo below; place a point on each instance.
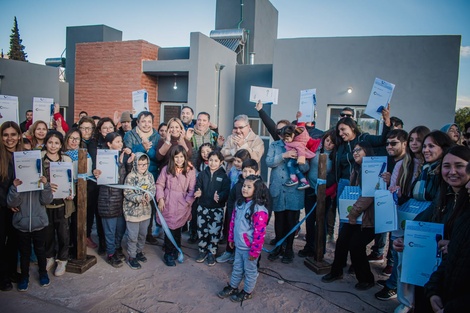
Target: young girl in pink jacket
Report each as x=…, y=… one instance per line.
x=175, y=194
x=247, y=231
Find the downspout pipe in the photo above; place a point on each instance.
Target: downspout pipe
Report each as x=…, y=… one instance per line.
x=241, y=14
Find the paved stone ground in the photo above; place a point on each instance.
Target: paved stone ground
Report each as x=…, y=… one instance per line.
x=192, y=287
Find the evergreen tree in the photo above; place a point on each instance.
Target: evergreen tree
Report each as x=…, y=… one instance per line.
x=16, y=48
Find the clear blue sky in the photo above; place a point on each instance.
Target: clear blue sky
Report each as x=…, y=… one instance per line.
x=166, y=23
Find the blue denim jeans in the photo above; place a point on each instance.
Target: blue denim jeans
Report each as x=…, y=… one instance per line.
x=242, y=266
x=114, y=229
x=392, y=281
x=293, y=169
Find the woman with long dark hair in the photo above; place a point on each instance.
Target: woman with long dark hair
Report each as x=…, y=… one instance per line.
x=10, y=142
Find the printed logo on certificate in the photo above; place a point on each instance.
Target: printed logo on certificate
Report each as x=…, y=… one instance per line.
x=61, y=174
x=107, y=161
x=28, y=169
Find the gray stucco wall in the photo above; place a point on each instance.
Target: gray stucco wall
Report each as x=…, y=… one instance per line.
x=27, y=80
x=423, y=68
x=247, y=76
x=205, y=53
x=79, y=34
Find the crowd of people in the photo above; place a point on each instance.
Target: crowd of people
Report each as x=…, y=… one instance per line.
x=209, y=185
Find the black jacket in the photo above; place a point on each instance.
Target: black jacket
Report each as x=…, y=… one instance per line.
x=110, y=200
x=209, y=184
x=344, y=160
x=450, y=280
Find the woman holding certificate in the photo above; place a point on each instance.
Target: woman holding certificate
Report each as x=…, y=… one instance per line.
x=354, y=238
x=59, y=210
x=348, y=135
x=11, y=142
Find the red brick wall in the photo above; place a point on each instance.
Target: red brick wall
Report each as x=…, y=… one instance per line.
x=106, y=73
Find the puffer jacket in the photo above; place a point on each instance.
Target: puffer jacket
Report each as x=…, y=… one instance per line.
x=32, y=215
x=248, y=233
x=134, y=209
x=178, y=194
x=110, y=200
x=133, y=141
x=209, y=183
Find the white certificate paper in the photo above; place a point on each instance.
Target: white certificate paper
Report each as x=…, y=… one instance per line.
x=107, y=163
x=421, y=255
x=28, y=168
x=346, y=201
x=379, y=98
x=385, y=212
x=372, y=169
x=266, y=95
x=308, y=103
x=8, y=109
x=61, y=174
x=43, y=109
x=140, y=101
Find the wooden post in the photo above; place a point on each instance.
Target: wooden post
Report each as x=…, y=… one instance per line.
x=318, y=265
x=83, y=261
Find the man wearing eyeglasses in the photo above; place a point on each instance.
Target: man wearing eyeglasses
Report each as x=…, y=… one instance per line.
x=243, y=137
x=396, y=148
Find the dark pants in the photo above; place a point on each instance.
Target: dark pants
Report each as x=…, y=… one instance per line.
x=354, y=239
x=193, y=222
x=152, y=219
x=227, y=219
x=310, y=223
x=310, y=200
x=58, y=225
x=168, y=246
x=38, y=238
x=8, y=245
x=284, y=221
x=92, y=214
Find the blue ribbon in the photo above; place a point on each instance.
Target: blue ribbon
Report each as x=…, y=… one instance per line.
x=165, y=227
x=280, y=242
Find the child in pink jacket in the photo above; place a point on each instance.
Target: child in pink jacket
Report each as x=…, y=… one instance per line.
x=299, y=147
x=175, y=195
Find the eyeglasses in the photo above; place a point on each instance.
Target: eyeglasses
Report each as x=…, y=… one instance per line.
x=74, y=138
x=357, y=150
x=392, y=143
x=142, y=164
x=345, y=115
x=88, y=129
x=239, y=128
x=107, y=128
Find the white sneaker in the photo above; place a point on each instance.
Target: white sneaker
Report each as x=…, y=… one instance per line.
x=226, y=256
x=60, y=270
x=50, y=263
x=402, y=309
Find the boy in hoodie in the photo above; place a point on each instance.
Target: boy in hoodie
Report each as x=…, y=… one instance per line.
x=212, y=189
x=30, y=219
x=137, y=208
